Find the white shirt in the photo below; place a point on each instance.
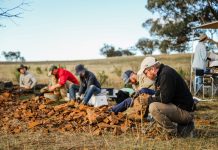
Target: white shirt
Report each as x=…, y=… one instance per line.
x=200, y=57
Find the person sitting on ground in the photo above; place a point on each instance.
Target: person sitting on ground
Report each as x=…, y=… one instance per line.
x=64, y=80
x=27, y=81
x=172, y=102
x=89, y=84
x=141, y=84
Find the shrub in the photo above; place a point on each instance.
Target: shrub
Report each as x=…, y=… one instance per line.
x=182, y=73
x=38, y=70
x=102, y=77
x=117, y=71
x=17, y=76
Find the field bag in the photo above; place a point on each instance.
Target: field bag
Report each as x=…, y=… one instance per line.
x=121, y=96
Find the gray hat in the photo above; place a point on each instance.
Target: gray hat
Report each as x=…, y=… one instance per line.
x=79, y=68
x=126, y=76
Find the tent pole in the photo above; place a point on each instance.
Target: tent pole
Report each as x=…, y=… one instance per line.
x=192, y=53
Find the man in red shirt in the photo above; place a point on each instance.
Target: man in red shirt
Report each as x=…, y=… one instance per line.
x=65, y=80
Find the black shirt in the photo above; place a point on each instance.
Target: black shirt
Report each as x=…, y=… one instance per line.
x=171, y=88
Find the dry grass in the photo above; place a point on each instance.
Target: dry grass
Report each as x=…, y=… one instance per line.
x=206, y=137
x=109, y=65
x=206, y=115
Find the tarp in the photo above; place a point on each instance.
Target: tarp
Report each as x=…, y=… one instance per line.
x=212, y=25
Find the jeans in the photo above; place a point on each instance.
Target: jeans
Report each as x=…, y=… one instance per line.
x=198, y=83
x=89, y=92
x=122, y=106
x=73, y=89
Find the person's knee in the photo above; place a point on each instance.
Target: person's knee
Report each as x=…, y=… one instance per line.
x=92, y=86
x=153, y=108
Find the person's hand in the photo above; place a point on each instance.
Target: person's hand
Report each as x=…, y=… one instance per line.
x=51, y=88
x=27, y=87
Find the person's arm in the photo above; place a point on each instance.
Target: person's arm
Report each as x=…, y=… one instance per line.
x=166, y=92
x=81, y=87
x=75, y=80
x=20, y=81
x=34, y=81
x=52, y=88
x=91, y=80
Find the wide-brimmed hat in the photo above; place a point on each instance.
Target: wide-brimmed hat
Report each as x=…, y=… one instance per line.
x=126, y=76
x=79, y=69
x=203, y=37
x=21, y=67
x=146, y=63
x=51, y=68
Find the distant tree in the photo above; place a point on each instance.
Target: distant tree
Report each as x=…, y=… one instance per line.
x=173, y=26
x=12, y=12
x=146, y=46
x=109, y=51
x=13, y=56
x=127, y=52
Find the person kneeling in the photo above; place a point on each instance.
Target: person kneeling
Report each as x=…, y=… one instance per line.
x=172, y=102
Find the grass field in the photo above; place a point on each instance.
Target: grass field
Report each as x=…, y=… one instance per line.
x=112, y=67
x=206, y=116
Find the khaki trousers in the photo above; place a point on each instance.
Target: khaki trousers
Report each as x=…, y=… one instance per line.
x=169, y=114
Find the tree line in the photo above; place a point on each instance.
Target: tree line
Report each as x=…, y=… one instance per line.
x=13, y=56
x=171, y=30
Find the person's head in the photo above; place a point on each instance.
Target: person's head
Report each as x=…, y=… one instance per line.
x=129, y=77
x=22, y=69
x=149, y=67
x=53, y=70
x=80, y=70
x=203, y=38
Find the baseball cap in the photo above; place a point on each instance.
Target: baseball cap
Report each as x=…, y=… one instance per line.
x=51, y=68
x=126, y=76
x=146, y=63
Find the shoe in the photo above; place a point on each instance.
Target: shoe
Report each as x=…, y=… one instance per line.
x=186, y=130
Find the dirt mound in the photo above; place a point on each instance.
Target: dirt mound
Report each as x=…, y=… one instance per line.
x=42, y=114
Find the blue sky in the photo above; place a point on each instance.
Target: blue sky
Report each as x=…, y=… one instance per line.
x=73, y=29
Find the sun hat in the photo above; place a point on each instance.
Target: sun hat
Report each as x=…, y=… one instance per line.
x=203, y=37
x=21, y=67
x=146, y=63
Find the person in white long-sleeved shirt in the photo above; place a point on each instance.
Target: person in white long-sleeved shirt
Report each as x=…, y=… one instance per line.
x=27, y=80
x=200, y=61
